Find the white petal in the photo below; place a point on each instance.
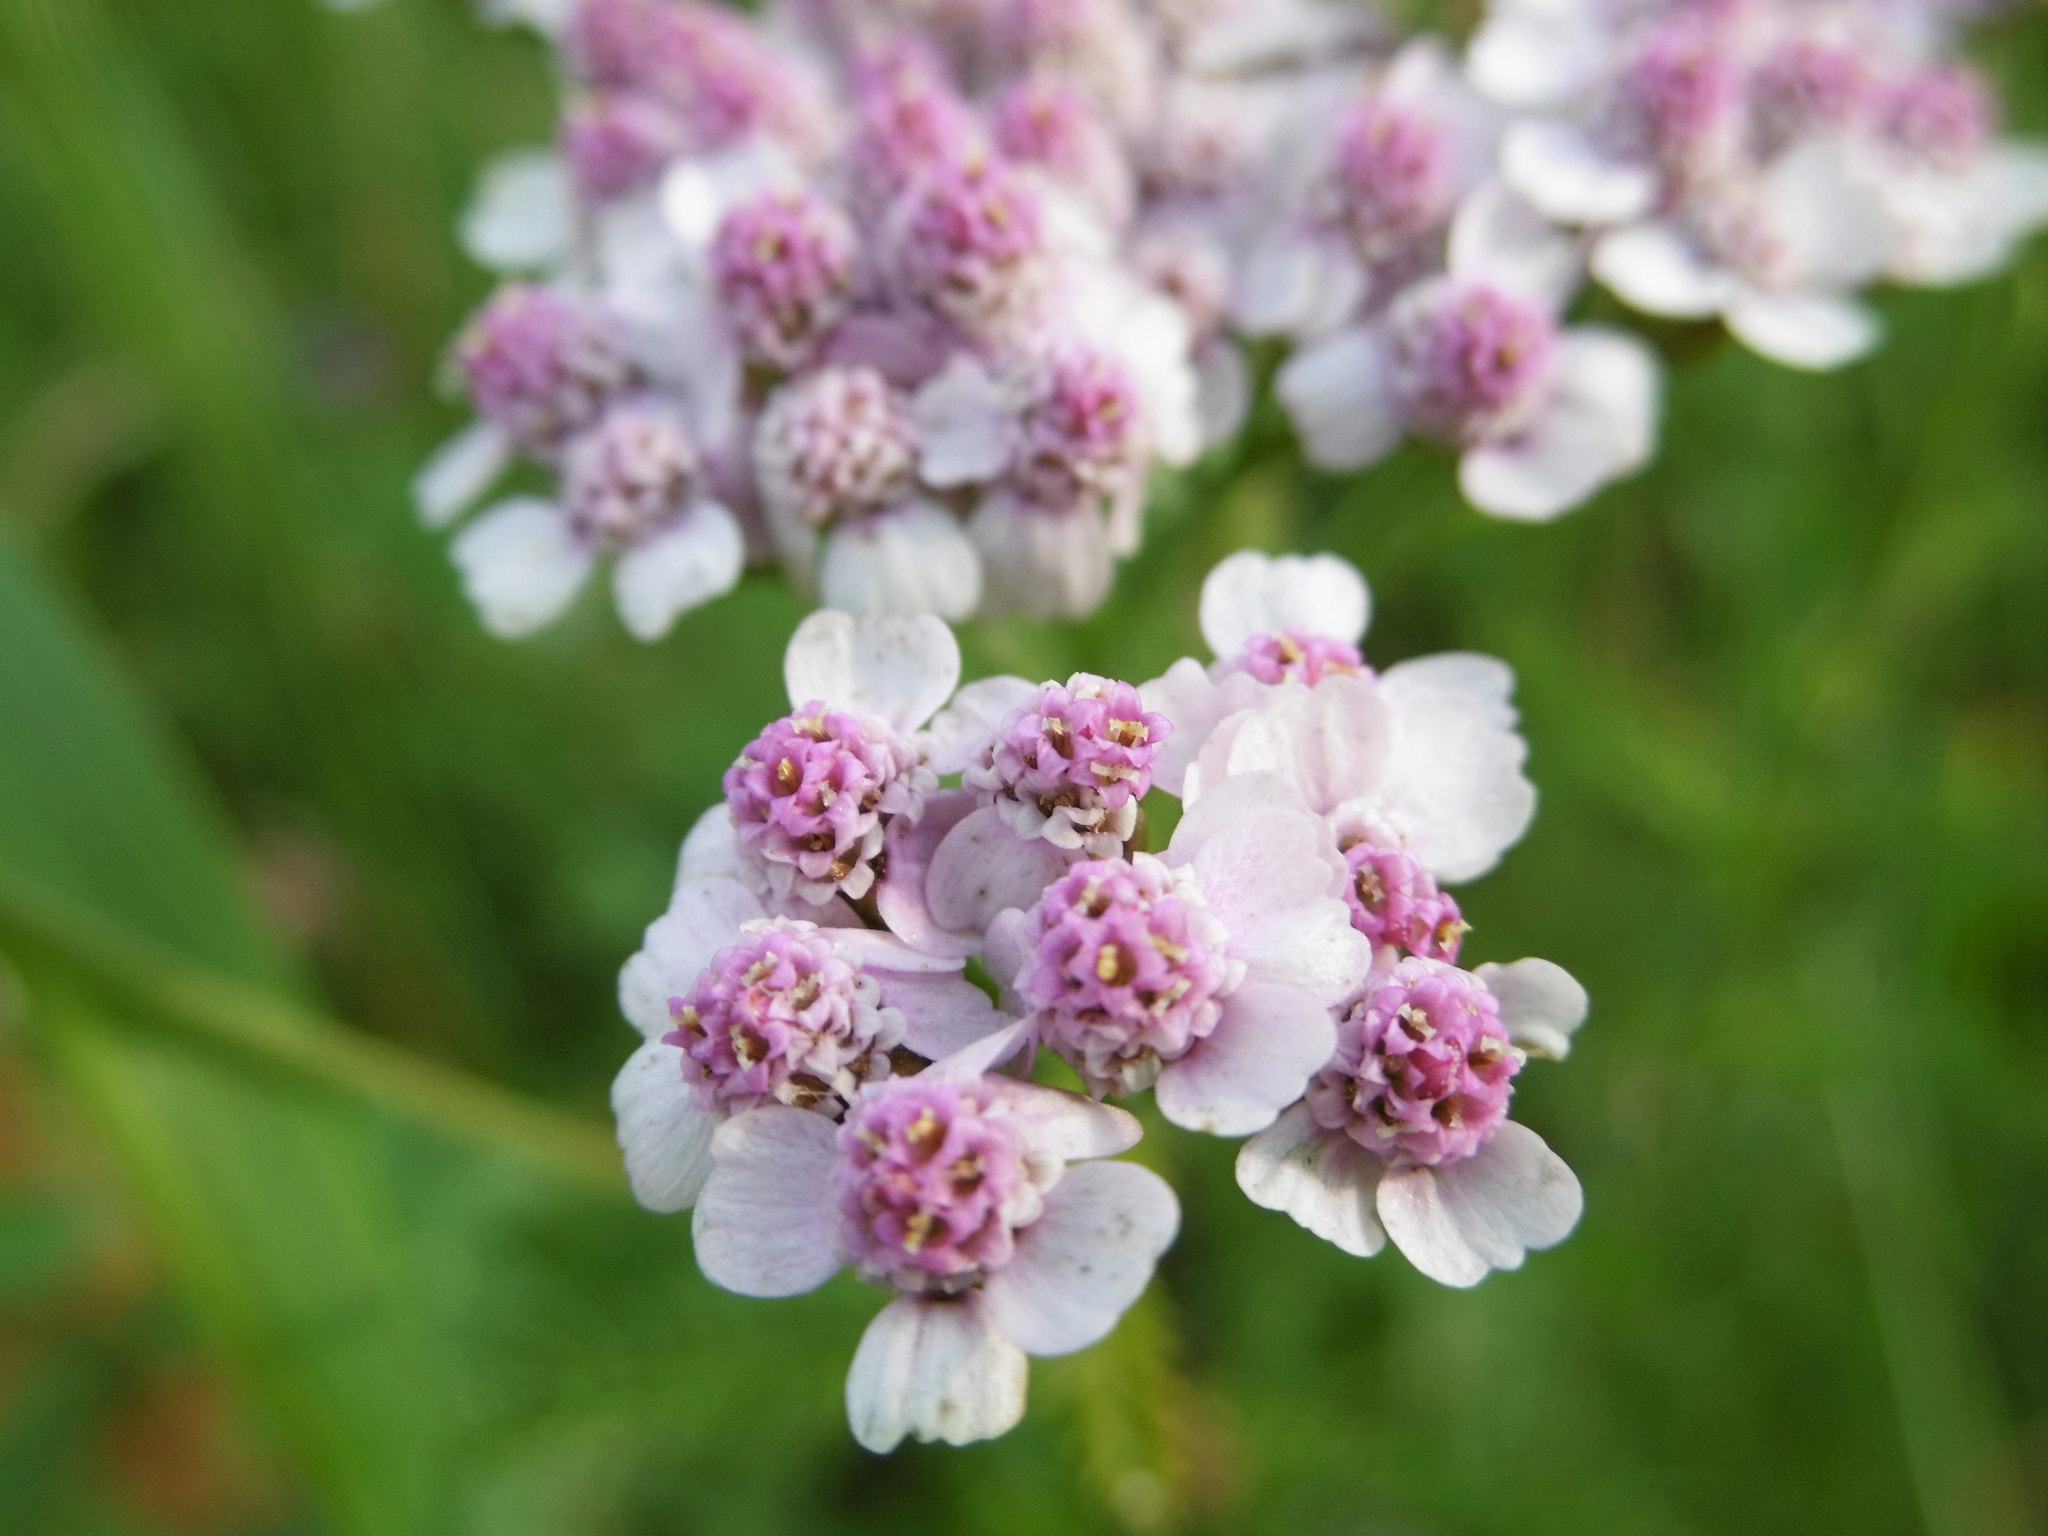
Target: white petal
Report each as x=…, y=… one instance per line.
x=1599, y=425
x=1038, y=562
x=1267, y=1045
x=1223, y=389
x=973, y=1062
x=1251, y=593
x=1081, y=1264
x=1498, y=239
x=766, y=1224
x=698, y=559
x=1339, y=392
x=521, y=566
x=899, y=668
x=1331, y=742
x=1323, y=1179
x=1070, y=1126
x=981, y=867
x=711, y=847
x=1196, y=705
x=1273, y=879
x=1823, y=221
x=914, y=559
x=900, y=895
x=696, y=194
x=1538, y=56
x=460, y=471
x=935, y=1370
x=1659, y=269
x=1541, y=1004
x=960, y=730
x=1457, y=1222
x=703, y=917
x=1487, y=679
x=1454, y=790
x=941, y=1013
x=1568, y=177
x=522, y=217
x=665, y=1135
x=965, y=425
x=1803, y=329
x=1297, y=282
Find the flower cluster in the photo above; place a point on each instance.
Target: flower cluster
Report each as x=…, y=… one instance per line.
x=920, y=295
x=911, y=298
x=828, y=1089
x=1759, y=160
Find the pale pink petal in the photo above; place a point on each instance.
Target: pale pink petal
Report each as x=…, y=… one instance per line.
x=1081, y=1264
x=521, y=566
x=686, y=566
x=664, y=1133
x=981, y=867
x=1599, y=425
x=1252, y=593
x=960, y=730
x=934, y=1369
x=765, y=1223
x=1269, y=1042
x=1453, y=789
x=1498, y=239
x=522, y=217
x=1331, y=742
x=1196, y=704
x=1296, y=282
x=703, y=917
x=966, y=427
x=460, y=471
x=1339, y=392
x=1223, y=389
x=898, y=668
x=973, y=1062
x=900, y=895
x=1069, y=1126
x=1565, y=175
x=914, y=559
x=1323, y=1179
x=1803, y=328
x=1274, y=879
x=1540, y=1003
x=1540, y=56
x=941, y=1013
x=1658, y=268
x=1457, y=1222
x=1040, y=562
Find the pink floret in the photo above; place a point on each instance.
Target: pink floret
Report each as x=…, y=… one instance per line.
x=1424, y=1068
x=779, y=1017
x=1393, y=900
x=1293, y=655
x=1126, y=971
x=541, y=365
x=784, y=268
x=932, y=1184
x=1073, y=766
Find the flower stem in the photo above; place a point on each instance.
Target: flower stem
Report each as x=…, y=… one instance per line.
x=158, y=987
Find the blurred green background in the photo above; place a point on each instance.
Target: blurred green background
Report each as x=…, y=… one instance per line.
x=1787, y=696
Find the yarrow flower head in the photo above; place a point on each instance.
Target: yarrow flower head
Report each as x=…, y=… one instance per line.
x=540, y=364
x=810, y=798
x=1404, y=1134
x=1423, y=1069
x=783, y=264
x=836, y=443
x=782, y=1016
x=968, y=241
x=1470, y=363
x=1125, y=972
x=973, y=1198
x=1072, y=765
x=1396, y=904
x=633, y=471
x=809, y=794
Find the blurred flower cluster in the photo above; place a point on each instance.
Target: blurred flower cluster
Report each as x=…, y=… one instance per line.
x=912, y=884
x=910, y=296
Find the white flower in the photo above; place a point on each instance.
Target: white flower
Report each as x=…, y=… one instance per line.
x=1544, y=414
x=1425, y=754
x=977, y=1199
x=1336, y=1166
